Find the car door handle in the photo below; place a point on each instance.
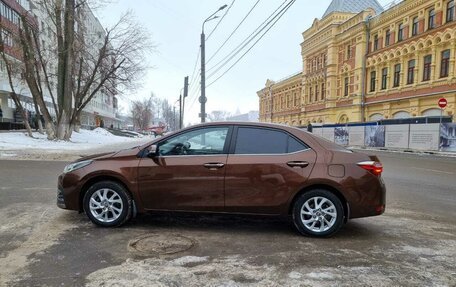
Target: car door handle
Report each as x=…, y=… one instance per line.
x=301, y=164
x=214, y=165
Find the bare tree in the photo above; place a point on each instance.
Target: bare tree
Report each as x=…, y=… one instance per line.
x=141, y=112
x=170, y=118
x=87, y=64
x=13, y=67
x=218, y=116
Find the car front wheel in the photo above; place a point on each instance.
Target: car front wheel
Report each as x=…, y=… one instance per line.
x=318, y=213
x=107, y=204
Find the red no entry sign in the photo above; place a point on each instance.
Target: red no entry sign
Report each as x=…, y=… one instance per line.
x=443, y=103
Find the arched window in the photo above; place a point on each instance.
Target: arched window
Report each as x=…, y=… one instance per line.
x=401, y=115
x=343, y=119
x=431, y=113
x=376, y=117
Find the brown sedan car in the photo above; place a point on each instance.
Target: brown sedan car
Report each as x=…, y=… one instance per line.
x=241, y=168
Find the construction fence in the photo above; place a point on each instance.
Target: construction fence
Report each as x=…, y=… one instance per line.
x=421, y=136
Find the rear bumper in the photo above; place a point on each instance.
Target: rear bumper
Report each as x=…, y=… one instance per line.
x=371, y=201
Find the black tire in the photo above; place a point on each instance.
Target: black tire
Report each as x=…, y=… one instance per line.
x=125, y=206
x=329, y=229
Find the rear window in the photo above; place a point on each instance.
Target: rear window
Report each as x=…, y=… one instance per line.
x=266, y=141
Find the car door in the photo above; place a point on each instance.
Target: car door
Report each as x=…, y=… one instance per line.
x=265, y=167
x=188, y=171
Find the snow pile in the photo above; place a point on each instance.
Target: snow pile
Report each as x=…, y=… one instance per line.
x=188, y=261
x=102, y=132
x=84, y=140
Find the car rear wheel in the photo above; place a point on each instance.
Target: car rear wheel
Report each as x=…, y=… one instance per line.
x=318, y=213
x=108, y=204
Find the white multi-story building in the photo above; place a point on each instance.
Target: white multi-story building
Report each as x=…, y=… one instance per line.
x=102, y=109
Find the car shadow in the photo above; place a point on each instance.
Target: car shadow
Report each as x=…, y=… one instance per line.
x=247, y=224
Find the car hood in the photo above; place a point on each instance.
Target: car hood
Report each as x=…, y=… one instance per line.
x=121, y=153
x=97, y=156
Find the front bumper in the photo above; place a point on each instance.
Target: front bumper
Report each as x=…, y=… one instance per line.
x=60, y=194
x=60, y=199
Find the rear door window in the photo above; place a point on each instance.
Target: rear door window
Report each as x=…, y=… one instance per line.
x=265, y=141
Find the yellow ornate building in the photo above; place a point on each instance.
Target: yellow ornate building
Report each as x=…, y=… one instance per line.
x=363, y=63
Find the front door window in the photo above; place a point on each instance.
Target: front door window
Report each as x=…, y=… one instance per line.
x=208, y=141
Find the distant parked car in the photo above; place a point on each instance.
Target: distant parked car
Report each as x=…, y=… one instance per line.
x=159, y=130
x=240, y=168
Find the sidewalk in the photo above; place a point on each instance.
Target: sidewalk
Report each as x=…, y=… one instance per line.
x=17, y=146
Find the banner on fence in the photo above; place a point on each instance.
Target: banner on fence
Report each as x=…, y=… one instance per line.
x=424, y=137
x=448, y=137
x=397, y=136
x=341, y=136
x=328, y=133
x=374, y=136
x=356, y=136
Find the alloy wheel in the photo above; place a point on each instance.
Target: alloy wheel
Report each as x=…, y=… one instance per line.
x=318, y=214
x=106, y=205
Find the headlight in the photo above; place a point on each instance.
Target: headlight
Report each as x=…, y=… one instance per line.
x=76, y=165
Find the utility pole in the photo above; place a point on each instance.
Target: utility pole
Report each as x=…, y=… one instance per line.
x=174, y=118
x=203, y=98
x=183, y=102
x=180, y=111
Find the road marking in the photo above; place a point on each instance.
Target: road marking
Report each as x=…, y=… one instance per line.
x=433, y=170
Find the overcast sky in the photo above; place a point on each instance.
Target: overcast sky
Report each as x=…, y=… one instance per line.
x=175, y=27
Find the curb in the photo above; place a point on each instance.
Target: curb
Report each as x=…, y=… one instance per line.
x=406, y=151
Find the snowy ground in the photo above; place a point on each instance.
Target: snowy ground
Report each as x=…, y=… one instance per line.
x=17, y=145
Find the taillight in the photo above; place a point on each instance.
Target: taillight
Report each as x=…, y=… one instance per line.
x=374, y=167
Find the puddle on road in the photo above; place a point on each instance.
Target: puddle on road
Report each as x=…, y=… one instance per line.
x=154, y=244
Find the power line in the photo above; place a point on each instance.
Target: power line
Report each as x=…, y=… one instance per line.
x=194, y=100
x=234, y=31
x=220, y=21
x=193, y=78
x=254, y=44
x=196, y=65
x=246, y=41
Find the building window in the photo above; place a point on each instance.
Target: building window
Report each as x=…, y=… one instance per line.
x=450, y=11
x=323, y=91
x=375, y=42
x=397, y=75
x=445, y=65
x=349, y=52
x=373, y=81
x=384, y=78
x=431, y=24
x=387, y=38
x=427, y=68
x=411, y=72
x=316, y=93
x=310, y=94
x=346, y=86
x=400, y=33
x=415, y=26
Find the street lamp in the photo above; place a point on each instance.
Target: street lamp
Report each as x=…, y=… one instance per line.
x=203, y=98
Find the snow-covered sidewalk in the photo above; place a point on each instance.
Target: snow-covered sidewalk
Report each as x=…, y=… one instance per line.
x=17, y=145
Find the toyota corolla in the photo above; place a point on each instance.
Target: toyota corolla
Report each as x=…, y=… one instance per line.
x=240, y=168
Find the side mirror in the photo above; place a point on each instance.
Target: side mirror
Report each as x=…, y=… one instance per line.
x=153, y=151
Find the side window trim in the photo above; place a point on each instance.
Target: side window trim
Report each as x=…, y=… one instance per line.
x=226, y=146
x=235, y=135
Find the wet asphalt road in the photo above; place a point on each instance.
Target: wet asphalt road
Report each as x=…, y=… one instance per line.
x=413, y=243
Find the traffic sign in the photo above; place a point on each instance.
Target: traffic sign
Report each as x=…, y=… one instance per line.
x=443, y=103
